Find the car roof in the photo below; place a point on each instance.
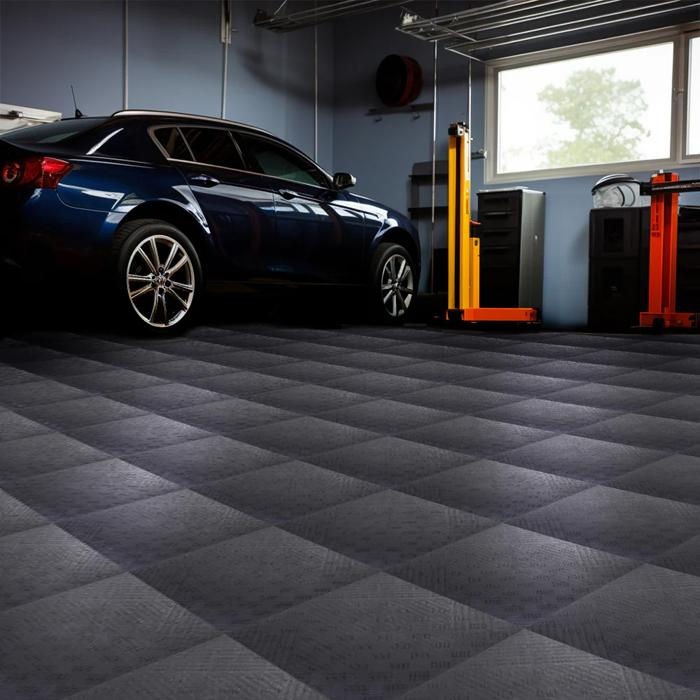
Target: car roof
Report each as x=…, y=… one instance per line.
x=185, y=116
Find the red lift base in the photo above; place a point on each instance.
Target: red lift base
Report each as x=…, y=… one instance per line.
x=676, y=319
x=498, y=315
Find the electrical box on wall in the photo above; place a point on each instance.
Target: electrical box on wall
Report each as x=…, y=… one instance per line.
x=15, y=117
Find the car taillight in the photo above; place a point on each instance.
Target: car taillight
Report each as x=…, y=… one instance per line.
x=43, y=172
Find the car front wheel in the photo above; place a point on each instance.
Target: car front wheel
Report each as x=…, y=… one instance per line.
x=393, y=283
x=159, y=276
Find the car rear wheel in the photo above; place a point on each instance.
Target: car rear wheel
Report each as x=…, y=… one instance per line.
x=393, y=283
x=159, y=276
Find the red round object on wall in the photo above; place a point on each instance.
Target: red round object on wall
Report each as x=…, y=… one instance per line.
x=399, y=80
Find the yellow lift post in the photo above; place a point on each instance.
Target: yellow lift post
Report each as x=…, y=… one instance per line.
x=463, y=253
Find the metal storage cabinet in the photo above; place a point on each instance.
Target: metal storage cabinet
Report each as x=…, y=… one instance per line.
x=512, y=247
x=619, y=265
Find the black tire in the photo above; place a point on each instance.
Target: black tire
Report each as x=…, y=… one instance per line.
x=149, y=297
x=393, y=284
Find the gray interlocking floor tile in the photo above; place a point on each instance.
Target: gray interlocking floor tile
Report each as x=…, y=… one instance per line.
x=82, y=489
x=310, y=398
x=73, y=640
x=522, y=384
x=622, y=522
x=581, y=457
x=16, y=516
x=655, y=380
x=514, y=574
x=285, y=491
x=184, y=370
x=374, y=638
x=145, y=531
x=681, y=407
x=386, y=528
x=47, y=560
x=528, y=666
x=647, y=431
x=242, y=383
x=14, y=375
x=575, y=370
x=220, y=669
x=493, y=489
x=477, y=435
x=229, y=415
x=676, y=477
x=389, y=460
x=167, y=397
x=36, y=392
x=14, y=426
x=646, y=620
x=387, y=415
x=440, y=372
x=299, y=437
x=205, y=459
x=129, y=435
x=613, y=397
x=240, y=580
x=461, y=399
x=112, y=380
x=42, y=453
x=549, y=415
x=379, y=384
x=76, y=413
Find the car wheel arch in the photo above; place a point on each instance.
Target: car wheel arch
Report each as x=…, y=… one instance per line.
x=177, y=216
x=401, y=237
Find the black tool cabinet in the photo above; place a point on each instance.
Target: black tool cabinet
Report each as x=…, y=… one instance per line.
x=512, y=247
x=619, y=265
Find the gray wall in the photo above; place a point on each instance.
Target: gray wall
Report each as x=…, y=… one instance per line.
x=381, y=154
x=175, y=62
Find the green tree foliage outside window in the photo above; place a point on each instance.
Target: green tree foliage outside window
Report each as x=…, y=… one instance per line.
x=601, y=112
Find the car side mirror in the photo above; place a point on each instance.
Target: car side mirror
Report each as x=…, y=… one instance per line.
x=341, y=181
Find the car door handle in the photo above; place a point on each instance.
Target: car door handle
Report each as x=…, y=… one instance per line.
x=204, y=180
x=288, y=194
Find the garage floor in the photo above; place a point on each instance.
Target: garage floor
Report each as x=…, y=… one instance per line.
x=259, y=511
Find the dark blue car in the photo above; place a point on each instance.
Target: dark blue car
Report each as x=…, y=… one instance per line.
x=157, y=205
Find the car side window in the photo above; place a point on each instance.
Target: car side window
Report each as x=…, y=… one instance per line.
x=213, y=146
x=171, y=140
x=271, y=158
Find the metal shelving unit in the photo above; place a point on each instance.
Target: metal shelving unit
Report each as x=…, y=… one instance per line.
x=515, y=26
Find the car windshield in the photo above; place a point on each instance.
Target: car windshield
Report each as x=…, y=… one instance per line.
x=55, y=132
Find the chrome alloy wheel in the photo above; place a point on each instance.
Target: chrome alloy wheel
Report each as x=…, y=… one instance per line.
x=397, y=285
x=160, y=280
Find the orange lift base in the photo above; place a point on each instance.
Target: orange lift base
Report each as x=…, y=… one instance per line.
x=676, y=319
x=496, y=314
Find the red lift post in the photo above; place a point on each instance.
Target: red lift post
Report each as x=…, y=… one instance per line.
x=663, y=250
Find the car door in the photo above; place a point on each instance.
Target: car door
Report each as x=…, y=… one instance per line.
x=238, y=206
x=320, y=235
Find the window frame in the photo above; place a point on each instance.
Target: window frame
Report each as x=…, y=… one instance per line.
x=685, y=126
x=680, y=37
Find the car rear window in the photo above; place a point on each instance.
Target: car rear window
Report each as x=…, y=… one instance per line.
x=213, y=146
x=174, y=144
x=55, y=132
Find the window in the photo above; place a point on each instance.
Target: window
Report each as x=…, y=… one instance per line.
x=267, y=156
x=213, y=146
x=693, y=114
x=171, y=140
x=582, y=111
